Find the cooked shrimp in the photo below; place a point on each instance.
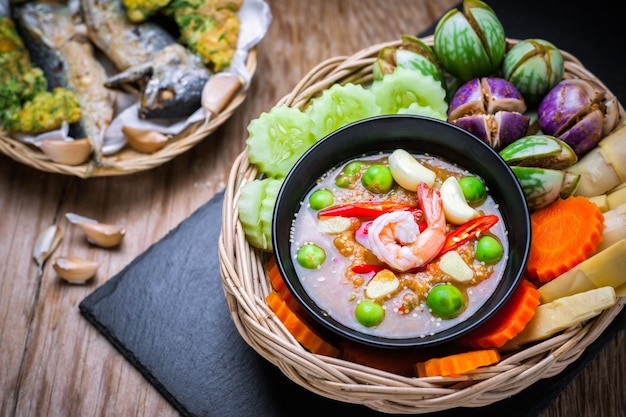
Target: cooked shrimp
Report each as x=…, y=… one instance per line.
x=395, y=237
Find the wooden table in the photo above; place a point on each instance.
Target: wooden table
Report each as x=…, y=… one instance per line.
x=52, y=361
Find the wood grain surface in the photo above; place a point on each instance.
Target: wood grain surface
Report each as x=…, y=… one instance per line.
x=52, y=362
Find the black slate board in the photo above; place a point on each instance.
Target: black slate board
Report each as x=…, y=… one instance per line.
x=166, y=312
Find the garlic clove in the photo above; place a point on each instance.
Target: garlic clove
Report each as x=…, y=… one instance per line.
x=47, y=241
x=68, y=152
x=218, y=92
x=75, y=270
x=100, y=234
x=146, y=141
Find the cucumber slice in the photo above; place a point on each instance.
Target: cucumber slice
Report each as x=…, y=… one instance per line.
x=340, y=105
x=277, y=139
x=256, y=207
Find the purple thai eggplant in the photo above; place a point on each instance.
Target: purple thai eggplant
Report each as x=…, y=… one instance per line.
x=490, y=108
x=580, y=112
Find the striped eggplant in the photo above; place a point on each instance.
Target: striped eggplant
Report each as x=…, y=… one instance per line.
x=543, y=186
x=542, y=151
x=470, y=43
x=534, y=66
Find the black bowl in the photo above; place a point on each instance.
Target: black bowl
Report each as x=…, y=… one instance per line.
x=418, y=135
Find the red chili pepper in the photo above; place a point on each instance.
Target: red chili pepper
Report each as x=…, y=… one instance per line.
x=468, y=231
x=367, y=209
x=367, y=268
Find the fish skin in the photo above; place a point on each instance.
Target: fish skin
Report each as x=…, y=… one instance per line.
x=61, y=49
x=170, y=76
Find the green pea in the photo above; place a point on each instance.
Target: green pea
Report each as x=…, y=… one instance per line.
x=489, y=249
x=348, y=175
x=311, y=256
x=474, y=189
x=369, y=313
x=445, y=301
x=377, y=179
x=321, y=198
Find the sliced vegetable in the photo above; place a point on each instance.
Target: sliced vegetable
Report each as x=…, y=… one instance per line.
x=457, y=364
x=382, y=284
x=563, y=234
x=543, y=186
x=614, y=227
x=366, y=209
x=403, y=87
x=277, y=139
x=366, y=268
x=605, y=268
x=402, y=362
x=304, y=334
x=455, y=206
x=452, y=263
x=256, y=208
x=542, y=151
x=470, y=230
x=340, y=105
x=562, y=313
x=509, y=321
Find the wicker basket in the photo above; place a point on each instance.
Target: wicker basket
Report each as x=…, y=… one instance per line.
x=245, y=284
x=127, y=161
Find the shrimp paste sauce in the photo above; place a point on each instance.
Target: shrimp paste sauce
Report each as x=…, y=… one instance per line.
x=392, y=261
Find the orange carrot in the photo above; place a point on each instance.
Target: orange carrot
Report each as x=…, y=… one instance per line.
x=508, y=321
x=298, y=328
x=564, y=234
x=278, y=284
x=399, y=362
x=457, y=364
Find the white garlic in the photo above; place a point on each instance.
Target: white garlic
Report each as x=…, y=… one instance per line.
x=455, y=206
x=68, y=152
x=408, y=171
x=47, y=241
x=75, y=270
x=146, y=141
x=100, y=234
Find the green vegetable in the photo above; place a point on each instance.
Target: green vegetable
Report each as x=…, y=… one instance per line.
x=369, y=313
x=256, y=208
x=377, y=179
x=277, y=139
x=445, y=301
x=403, y=87
x=348, y=175
x=534, y=66
x=340, y=105
x=544, y=186
x=311, y=256
x=471, y=43
x=542, y=151
x=474, y=189
x=321, y=198
x=489, y=249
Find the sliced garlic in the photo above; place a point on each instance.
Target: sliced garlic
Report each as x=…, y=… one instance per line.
x=100, y=234
x=68, y=152
x=75, y=270
x=452, y=263
x=146, y=141
x=455, y=206
x=384, y=283
x=47, y=241
x=408, y=172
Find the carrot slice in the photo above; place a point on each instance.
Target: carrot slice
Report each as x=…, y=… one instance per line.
x=457, y=364
x=298, y=328
x=564, y=234
x=508, y=321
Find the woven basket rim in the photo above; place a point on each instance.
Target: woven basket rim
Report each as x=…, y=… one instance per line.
x=245, y=284
x=128, y=161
